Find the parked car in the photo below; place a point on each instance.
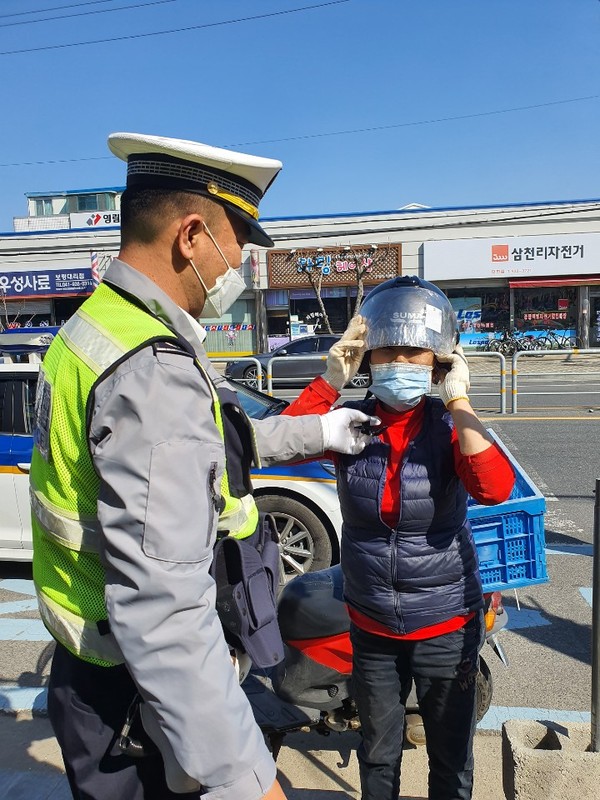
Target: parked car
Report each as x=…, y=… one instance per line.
x=302, y=498
x=295, y=371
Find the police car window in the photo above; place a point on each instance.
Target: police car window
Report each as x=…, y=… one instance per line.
x=6, y=405
x=23, y=401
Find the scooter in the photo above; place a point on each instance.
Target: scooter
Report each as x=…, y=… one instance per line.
x=311, y=688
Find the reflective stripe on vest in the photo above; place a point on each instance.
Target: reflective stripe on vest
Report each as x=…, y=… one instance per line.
x=80, y=636
x=72, y=530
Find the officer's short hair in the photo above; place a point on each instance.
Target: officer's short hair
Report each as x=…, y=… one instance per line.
x=145, y=212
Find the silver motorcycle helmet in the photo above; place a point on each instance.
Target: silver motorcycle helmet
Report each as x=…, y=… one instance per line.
x=409, y=312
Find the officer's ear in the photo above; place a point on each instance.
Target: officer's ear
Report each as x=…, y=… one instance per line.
x=191, y=227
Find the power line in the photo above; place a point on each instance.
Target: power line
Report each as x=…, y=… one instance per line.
x=85, y=13
x=174, y=30
x=56, y=8
x=418, y=122
x=337, y=133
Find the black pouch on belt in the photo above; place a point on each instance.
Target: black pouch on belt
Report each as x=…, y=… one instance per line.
x=246, y=572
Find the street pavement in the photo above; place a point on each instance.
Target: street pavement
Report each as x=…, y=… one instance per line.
x=311, y=767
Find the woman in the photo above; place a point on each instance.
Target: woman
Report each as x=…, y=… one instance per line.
x=411, y=576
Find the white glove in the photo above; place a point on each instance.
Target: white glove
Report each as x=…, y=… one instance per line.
x=346, y=355
x=456, y=383
x=342, y=430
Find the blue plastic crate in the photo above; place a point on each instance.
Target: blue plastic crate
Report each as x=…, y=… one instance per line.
x=510, y=537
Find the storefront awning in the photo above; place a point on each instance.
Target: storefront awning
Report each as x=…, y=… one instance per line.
x=544, y=283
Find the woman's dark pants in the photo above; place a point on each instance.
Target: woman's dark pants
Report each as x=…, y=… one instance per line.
x=444, y=670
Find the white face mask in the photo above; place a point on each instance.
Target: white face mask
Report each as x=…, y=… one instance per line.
x=228, y=287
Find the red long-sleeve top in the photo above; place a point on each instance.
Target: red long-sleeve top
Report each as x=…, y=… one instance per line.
x=487, y=476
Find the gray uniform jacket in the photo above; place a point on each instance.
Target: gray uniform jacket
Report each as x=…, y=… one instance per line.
x=154, y=443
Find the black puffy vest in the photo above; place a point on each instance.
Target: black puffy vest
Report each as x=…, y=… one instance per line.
x=425, y=570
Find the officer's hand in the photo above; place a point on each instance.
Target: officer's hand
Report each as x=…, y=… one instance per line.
x=342, y=430
x=345, y=356
x=456, y=383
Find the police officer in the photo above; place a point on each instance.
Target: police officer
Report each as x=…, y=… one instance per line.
x=141, y=453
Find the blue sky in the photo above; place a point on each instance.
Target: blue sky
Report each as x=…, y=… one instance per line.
x=370, y=104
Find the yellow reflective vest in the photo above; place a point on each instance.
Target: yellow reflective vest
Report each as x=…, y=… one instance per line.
x=67, y=570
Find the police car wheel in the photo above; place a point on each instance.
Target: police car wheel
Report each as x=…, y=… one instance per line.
x=304, y=543
x=361, y=380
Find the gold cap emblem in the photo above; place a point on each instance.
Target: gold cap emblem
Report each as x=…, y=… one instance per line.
x=212, y=187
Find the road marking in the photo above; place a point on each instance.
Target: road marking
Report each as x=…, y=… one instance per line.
x=526, y=618
x=518, y=417
x=570, y=550
x=586, y=594
x=18, y=606
x=21, y=629
x=18, y=586
x=497, y=715
x=20, y=698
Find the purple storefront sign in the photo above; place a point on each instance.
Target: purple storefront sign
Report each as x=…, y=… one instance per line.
x=46, y=283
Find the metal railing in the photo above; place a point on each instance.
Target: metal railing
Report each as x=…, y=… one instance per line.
x=502, y=359
x=554, y=354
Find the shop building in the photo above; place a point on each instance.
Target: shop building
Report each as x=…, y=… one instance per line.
x=527, y=266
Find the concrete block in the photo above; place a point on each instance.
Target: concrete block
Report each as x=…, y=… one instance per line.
x=549, y=761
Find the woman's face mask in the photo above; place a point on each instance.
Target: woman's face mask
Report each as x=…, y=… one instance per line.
x=400, y=385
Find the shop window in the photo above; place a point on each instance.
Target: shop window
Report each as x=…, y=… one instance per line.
x=481, y=310
x=546, y=307
x=309, y=312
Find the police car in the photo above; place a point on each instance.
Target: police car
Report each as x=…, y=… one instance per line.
x=303, y=498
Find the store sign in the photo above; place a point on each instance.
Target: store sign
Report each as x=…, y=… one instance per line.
x=95, y=219
x=514, y=256
x=468, y=313
x=342, y=266
x=47, y=283
x=232, y=326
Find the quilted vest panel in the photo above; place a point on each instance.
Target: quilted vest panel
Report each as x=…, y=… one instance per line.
x=424, y=570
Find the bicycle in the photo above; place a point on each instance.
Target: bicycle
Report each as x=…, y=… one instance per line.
x=510, y=342
x=557, y=341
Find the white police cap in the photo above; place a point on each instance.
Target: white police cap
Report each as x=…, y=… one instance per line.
x=237, y=180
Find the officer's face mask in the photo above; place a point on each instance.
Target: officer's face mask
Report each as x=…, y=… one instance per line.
x=228, y=287
x=400, y=385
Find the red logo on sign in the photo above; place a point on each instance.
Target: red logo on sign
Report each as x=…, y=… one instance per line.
x=499, y=252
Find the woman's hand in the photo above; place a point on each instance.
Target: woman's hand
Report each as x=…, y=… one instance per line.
x=345, y=356
x=456, y=381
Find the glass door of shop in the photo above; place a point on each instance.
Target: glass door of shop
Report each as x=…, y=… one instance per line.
x=594, y=318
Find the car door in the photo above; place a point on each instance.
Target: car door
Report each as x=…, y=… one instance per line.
x=22, y=448
x=297, y=371
x=17, y=394
x=325, y=343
